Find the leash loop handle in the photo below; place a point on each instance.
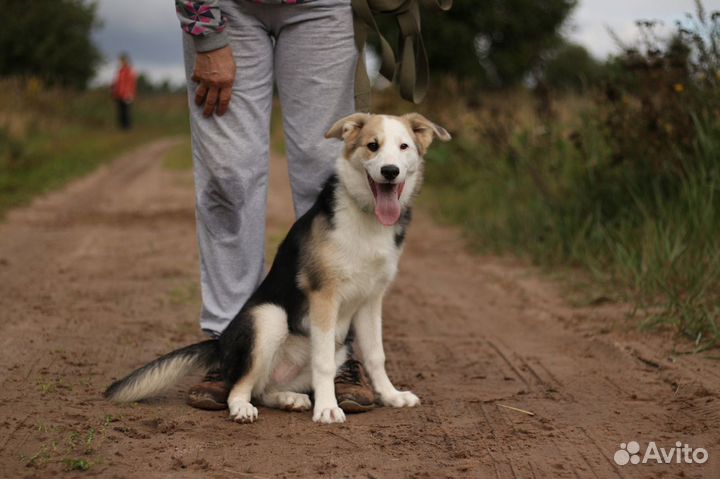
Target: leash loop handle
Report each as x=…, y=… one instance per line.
x=413, y=71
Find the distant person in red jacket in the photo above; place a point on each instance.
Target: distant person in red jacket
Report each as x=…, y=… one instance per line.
x=123, y=91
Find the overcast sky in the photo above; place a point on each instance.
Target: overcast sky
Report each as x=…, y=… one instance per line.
x=153, y=38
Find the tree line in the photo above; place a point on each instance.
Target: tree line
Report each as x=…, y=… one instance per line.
x=487, y=42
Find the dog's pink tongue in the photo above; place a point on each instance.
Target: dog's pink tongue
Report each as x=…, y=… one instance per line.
x=387, y=205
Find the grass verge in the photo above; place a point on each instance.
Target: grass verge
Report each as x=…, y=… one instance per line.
x=556, y=194
x=48, y=137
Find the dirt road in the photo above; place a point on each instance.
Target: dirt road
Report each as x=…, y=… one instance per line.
x=102, y=277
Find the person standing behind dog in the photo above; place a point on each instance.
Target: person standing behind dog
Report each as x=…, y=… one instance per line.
x=123, y=91
x=235, y=50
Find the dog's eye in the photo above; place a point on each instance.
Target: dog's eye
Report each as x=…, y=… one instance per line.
x=404, y=146
x=373, y=146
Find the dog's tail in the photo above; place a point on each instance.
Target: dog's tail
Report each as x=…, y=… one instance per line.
x=160, y=374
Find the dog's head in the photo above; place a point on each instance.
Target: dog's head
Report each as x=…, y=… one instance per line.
x=387, y=153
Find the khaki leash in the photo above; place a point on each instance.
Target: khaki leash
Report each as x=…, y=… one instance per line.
x=413, y=69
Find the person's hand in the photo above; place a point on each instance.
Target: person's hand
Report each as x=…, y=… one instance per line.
x=215, y=74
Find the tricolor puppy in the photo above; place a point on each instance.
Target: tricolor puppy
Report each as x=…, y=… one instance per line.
x=332, y=269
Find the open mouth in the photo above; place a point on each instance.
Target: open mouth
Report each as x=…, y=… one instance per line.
x=387, y=200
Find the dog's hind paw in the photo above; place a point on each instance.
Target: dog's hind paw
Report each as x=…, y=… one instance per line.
x=329, y=415
x=400, y=399
x=294, y=401
x=243, y=411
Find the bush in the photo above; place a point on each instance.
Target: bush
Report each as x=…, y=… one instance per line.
x=570, y=67
x=493, y=43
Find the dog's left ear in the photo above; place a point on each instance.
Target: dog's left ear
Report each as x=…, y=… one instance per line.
x=425, y=130
x=347, y=127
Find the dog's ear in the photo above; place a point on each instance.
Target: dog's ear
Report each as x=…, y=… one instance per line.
x=348, y=127
x=425, y=130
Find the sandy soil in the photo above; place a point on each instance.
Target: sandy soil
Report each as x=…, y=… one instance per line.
x=102, y=277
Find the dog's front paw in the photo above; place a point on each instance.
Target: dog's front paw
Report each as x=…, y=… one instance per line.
x=243, y=411
x=400, y=399
x=328, y=415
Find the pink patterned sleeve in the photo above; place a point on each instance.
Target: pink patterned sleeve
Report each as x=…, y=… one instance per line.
x=204, y=21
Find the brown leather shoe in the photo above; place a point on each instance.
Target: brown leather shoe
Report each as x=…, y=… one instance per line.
x=352, y=388
x=211, y=394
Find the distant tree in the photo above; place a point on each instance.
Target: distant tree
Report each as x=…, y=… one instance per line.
x=570, y=67
x=493, y=42
x=49, y=39
x=147, y=86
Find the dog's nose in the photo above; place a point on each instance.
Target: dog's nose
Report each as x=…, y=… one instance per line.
x=390, y=172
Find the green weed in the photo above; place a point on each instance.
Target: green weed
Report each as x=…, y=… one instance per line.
x=76, y=464
x=51, y=385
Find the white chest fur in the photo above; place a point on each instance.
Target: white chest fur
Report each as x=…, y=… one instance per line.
x=367, y=257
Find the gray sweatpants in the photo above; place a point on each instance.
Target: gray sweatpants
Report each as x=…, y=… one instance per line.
x=308, y=49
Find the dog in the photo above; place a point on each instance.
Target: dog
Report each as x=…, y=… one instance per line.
x=331, y=270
